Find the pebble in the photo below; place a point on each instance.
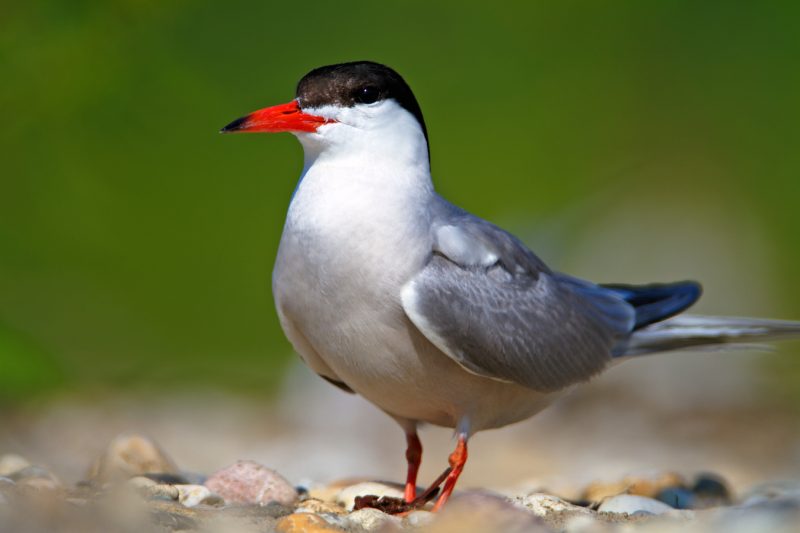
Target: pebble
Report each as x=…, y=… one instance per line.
x=303, y=523
x=36, y=478
x=347, y=496
x=646, y=484
x=130, y=455
x=711, y=490
x=11, y=463
x=417, y=519
x=247, y=482
x=32, y=472
x=543, y=505
x=630, y=503
x=194, y=495
x=374, y=520
x=313, y=505
x=678, y=498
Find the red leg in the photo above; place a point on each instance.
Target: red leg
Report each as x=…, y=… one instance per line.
x=414, y=458
x=457, y=461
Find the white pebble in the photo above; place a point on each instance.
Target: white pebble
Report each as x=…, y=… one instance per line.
x=12, y=463
x=347, y=496
x=193, y=495
x=629, y=503
x=373, y=520
x=544, y=504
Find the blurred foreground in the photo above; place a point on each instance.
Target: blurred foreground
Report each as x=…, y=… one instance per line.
x=627, y=425
x=635, y=418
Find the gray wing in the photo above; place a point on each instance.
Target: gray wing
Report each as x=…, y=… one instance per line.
x=490, y=304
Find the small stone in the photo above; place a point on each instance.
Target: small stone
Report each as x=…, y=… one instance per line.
x=374, y=520
x=303, y=523
x=646, y=484
x=347, y=496
x=11, y=463
x=130, y=455
x=313, y=505
x=629, y=504
x=417, y=519
x=36, y=478
x=544, y=505
x=32, y=472
x=247, y=482
x=194, y=495
x=711, y=490
x=677, y=498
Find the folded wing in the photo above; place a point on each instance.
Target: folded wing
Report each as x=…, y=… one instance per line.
x=491, y=305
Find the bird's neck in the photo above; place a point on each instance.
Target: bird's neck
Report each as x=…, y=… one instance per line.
x=383, y=166
x=376, y=196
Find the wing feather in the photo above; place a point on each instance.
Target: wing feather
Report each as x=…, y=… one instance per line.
x=512, y=320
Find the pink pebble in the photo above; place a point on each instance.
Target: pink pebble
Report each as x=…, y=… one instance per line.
x=247, y=482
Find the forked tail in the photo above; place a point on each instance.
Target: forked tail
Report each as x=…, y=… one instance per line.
x=707, y=332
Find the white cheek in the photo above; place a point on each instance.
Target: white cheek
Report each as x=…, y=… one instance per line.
x=362, y=116
x=377, y=133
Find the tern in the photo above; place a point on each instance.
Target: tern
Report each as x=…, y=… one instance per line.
x=386, y=289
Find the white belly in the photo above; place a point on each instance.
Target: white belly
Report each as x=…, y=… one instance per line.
x=346, y=321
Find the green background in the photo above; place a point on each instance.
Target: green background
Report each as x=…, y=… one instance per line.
x=136, y=243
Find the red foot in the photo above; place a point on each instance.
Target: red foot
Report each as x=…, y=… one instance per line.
x=457, y=461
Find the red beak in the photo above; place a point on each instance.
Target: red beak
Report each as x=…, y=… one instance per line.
x=284, y=117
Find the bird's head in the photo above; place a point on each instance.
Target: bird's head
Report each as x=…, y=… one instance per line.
x=347, y=110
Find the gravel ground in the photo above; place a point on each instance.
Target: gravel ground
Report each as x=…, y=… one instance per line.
x=620, y=454
x=134, y=486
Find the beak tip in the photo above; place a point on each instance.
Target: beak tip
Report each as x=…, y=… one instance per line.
x=236, y=125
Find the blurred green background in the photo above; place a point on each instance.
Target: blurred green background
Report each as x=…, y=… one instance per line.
x=625, y=141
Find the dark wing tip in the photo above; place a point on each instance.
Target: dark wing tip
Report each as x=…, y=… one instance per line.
x=659, y=301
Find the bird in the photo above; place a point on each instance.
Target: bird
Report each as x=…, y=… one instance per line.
x=434, y=315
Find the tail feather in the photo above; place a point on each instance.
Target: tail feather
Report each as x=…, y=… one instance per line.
x=657, y=301
x=694, y=331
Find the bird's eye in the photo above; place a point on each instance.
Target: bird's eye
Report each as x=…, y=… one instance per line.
x=367, y=95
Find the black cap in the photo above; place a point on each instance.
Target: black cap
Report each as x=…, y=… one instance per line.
x=349, y=84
